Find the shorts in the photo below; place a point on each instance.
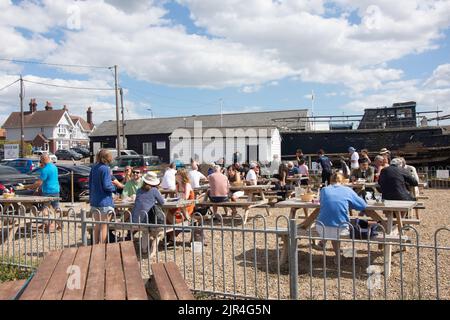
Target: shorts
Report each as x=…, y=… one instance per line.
x=238, y=194
x=54, y=204
x=103, y=210
x=218, y=199
x=332, y=232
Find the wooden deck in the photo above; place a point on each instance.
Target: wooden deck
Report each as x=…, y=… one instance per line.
x=100, y=272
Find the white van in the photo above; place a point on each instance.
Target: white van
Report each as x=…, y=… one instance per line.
x=122, y=153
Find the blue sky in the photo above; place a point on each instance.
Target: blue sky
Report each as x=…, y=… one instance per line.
x=192, y=57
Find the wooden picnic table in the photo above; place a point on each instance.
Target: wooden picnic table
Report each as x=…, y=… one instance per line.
x=99, y=272
x=26, y=201
x=385, y=212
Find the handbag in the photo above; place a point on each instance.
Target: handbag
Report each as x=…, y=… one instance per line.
x=156, y=215
x=361, y=230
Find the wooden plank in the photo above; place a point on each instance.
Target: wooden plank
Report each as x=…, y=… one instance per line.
x=134, y=283
x=82, y=261
x=37, y=285
x=8, y=290
x=95, y=283
x=114, y=278
x=181, y=289
x=162, y=281
x=57, y=283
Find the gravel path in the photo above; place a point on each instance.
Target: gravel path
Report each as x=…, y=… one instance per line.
x=247, y=263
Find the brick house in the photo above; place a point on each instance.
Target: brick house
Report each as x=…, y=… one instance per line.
x=50, y=129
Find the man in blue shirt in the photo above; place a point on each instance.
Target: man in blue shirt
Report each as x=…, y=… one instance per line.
x=326, y=165
x=49, y=183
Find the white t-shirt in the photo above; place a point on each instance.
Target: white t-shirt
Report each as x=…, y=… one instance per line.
x=251, y=175
x=168, y=181
x=354, y=160
x=195, y=176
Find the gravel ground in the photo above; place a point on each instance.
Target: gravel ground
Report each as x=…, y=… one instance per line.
x=246, y=263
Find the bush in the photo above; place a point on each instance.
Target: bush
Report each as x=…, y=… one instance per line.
x=12, y=273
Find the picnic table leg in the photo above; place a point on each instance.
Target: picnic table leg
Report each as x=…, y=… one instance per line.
x=246, y=215
x=388, y=248
x=292, y=213
x=284, y=249
x=263, y=197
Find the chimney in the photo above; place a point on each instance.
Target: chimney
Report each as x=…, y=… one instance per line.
x=48, y=106
x=33, y=105
x=65, y=108
x=89, y=115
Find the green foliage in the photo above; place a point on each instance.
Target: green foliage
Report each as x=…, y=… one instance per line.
x=12, y=273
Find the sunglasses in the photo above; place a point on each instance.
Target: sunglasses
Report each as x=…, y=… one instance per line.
x=136, y=172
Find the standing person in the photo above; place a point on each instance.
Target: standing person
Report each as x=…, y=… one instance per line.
x=299, y=155
x=132, y=185
x=365, y=155
x=147, y=196
x=335, y=203
x=48, y=180
x=326, y=165
x=354, y=157
x=274, y=164
x=168, y=182
x=196, y=176
x=252, y=177
x=101, y=188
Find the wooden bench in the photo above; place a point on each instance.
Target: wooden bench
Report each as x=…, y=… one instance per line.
x=246, y=205
x=9, y=290
x=168, y=283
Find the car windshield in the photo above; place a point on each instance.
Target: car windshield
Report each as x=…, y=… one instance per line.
x=152, y=161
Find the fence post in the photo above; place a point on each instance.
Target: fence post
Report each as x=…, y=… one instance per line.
x=83, y=227
x=293, y=260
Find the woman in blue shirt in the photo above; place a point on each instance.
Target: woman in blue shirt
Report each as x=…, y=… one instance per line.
x=146, y=198
x=336, y=201
x=101, y=188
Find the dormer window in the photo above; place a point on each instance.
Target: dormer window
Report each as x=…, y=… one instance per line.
x=62, y=129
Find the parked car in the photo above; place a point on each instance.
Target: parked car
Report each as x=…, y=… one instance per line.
x=65, y=154
x=12, y=178
x=123, y=153
x=53, y=158
x=23, y=165
x=80, y=181
x=143, y=163
x=83, y=151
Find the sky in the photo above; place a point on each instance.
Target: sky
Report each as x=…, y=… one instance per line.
x=189, y=57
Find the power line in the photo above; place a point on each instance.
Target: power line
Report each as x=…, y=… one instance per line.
x=9, y=85
x=55, y=64
x=68, y=87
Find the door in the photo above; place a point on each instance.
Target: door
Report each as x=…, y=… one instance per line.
x=147, y=149
x=252, y=153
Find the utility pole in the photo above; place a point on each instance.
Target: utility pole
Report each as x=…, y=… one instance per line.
x=116, y=88
x=123, y=118
x=22, y=136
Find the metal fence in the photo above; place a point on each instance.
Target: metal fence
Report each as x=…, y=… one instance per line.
x=435, y=177
x=237, y=261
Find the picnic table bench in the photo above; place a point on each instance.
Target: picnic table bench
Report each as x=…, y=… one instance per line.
x=386, y=213
x=169, y=283
x=100, y=272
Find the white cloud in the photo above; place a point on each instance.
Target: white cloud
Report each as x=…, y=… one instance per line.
x=250, y=89
x=440, y=77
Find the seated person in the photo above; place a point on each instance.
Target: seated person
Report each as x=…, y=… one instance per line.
x=378, y=165
x=146, y=197
x=280, y=185
x=185, y=192
x=132, y=185
x=335, y=202
x=219, y=187
x=303, y=171
x=252, y=177
x=168, y=182
x=364, y=171
x=292, y=170
x=196, y=176
x=412, y=171
x=394, y=181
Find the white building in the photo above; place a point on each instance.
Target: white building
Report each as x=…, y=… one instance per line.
x=207, y=145
x=50, y=129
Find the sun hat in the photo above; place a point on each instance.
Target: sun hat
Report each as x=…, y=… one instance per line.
x=253, y=165
x=150, y=178
x=350, y=149
x=384, y=151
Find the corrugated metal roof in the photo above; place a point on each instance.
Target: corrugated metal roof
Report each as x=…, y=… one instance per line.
x=167, y=125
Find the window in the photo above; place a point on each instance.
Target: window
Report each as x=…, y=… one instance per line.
x=147, y=148
x=62, y=129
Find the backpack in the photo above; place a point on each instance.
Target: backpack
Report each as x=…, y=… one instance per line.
x=361, y=230
x=156, y=215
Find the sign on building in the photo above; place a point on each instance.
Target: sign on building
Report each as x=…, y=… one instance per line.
x=442, y=174
x=11, y=151
x=160, y=145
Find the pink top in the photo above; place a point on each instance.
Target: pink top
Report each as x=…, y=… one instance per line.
x=303, y=170
x=218, y=185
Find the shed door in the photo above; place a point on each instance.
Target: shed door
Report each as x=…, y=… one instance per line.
x=147, y=149
x=252, y=153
